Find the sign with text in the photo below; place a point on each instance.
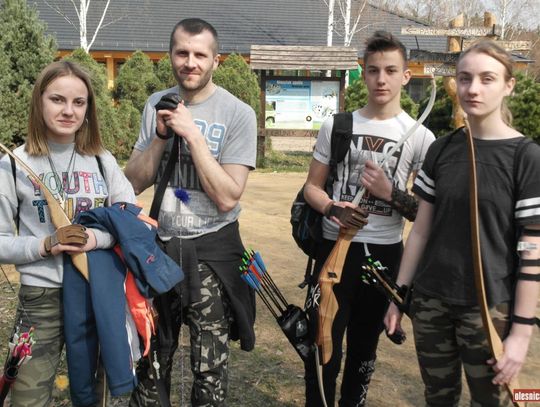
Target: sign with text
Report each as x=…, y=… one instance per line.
x=451, y=32
x=507, y=45
x=300, y=104
x=440, y=69
x=428, y=56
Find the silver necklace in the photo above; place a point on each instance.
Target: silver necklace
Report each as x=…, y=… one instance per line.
x=62, y=193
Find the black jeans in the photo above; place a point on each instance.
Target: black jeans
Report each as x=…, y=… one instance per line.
x=360, y=314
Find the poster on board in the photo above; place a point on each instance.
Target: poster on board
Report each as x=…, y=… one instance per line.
x=300, y=104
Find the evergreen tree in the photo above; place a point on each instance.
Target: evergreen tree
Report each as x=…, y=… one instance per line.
x=5, y=98
x=25, y=51
x=136, y=80
x=164, y=73
x=119, y=126
x=356, y=96
x=235, y=75
x=439, y=120
x=525, y=106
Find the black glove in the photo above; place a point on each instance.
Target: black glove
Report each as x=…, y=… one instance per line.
x=169, y=101
x=398, y=337
x=349, y=217
x=70, y=234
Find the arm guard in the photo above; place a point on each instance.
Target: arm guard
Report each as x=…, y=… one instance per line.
x=404, y=203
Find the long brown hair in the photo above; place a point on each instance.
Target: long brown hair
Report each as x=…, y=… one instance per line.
x=490, y=48
x=87, y=138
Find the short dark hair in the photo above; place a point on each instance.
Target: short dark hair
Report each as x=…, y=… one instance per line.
x=382, y=41
x=195, y=26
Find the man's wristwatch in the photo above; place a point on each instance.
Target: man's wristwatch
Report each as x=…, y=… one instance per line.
x=165, y=136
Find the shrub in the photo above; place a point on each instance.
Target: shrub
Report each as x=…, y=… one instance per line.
x=235, y=75
x=24, y=50
x=525, y=106
x=136, y=80
x=164, y=73
x=118, y=124
x=439, y=120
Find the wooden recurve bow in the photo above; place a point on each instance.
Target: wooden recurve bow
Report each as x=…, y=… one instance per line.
x=494, y=340
x=58, y=216
x=332, y=269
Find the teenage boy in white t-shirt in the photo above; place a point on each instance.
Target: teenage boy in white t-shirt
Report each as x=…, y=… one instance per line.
x=377, y=127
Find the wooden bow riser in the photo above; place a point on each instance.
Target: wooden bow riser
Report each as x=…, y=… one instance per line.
x=57, y=214
x=328, y=305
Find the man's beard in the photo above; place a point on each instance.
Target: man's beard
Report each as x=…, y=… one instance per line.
x=193, y=87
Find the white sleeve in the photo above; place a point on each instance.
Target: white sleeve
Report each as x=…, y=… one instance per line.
x=322, y=146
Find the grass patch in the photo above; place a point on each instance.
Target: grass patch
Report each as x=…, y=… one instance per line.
x=286, y=161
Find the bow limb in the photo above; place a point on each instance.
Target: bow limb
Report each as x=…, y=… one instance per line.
x=57, y=214
x=320, y=381
x=494, y=340
x=328, y=306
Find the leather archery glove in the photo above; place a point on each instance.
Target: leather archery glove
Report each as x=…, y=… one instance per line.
x=349, y=217
x=70, y=235
x=169, y=101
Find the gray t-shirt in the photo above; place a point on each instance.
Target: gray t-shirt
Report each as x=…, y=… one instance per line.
x=83, y=188
x=372, y=139
x=230, y=128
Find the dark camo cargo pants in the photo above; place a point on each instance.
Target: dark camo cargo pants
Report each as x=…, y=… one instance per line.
x=43, y=311
x=448, y=337
x=209, y=321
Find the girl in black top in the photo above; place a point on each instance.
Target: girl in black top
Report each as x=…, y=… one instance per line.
x=446, y=318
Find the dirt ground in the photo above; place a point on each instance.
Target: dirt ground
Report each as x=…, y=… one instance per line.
x=272, y=374
x=265, y=227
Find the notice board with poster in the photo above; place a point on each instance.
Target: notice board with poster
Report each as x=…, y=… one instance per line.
x=300, y=103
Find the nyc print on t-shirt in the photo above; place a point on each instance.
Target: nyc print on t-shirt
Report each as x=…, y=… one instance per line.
x=367, y=147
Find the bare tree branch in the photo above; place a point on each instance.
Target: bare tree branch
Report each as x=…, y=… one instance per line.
x=60, y=12
x=100, y=22
x=82, y=8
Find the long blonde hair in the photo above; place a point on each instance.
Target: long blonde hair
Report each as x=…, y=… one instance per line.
x=87, y=139
x=490, y=48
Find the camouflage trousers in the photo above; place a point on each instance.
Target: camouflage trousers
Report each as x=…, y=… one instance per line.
x=41, y=308
x=209, y=323
x=448, y=337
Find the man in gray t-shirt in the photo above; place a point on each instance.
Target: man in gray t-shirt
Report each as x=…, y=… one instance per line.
x=215, y=134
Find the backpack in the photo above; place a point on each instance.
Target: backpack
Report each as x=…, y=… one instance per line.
x=306, y=222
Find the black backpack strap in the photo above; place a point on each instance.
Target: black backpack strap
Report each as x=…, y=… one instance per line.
x=100, y=166
x=164, y=181
x=14, y=172
x=340, y=143
x=102, y=172
x=340, y=139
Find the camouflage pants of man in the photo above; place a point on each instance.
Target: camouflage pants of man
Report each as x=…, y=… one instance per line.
x=209, y=322
x=449, y=336
x=41, y=308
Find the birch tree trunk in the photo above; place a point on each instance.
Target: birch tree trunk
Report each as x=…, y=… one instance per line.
x=81, y=9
